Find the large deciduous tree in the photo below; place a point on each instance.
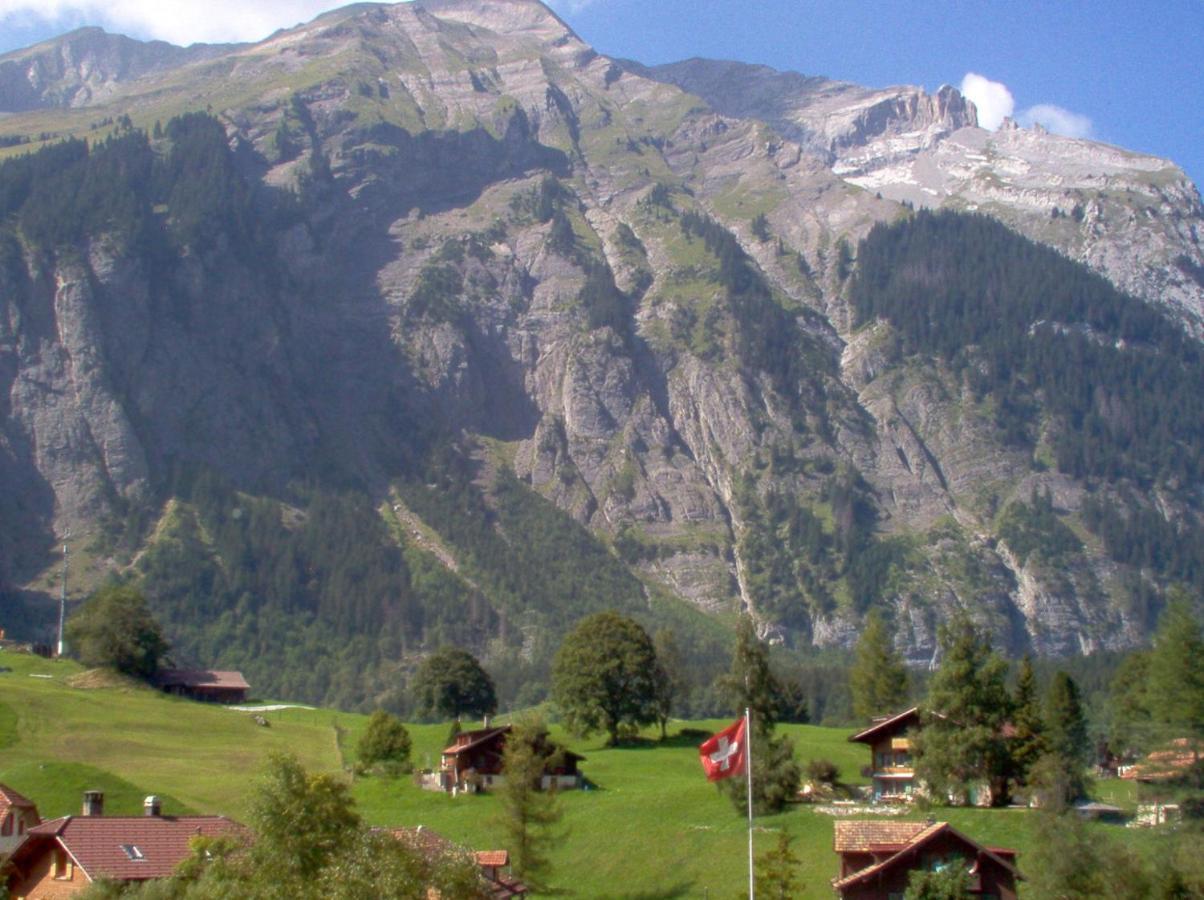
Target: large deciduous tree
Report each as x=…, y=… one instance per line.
x=450, y=683
x=385, y=743
x=115, y=629
x=604, y=676
x=961, y=743
x=879, y=677
x=670, y=676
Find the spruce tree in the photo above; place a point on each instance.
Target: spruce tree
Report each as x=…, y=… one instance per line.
x=879, y=678
x=752, y=685
x=1027, y=742
x=961, y=742
x=527, y=815
x=1175, y=680
x=776, y=871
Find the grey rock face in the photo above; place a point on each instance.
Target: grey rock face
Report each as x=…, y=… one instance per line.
x=438, y=126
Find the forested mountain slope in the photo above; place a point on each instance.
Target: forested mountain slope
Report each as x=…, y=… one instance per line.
x=427, y=323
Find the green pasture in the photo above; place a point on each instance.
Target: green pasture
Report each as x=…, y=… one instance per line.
x=650, y=826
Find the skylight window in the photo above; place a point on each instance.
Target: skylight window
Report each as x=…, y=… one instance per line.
x=133, y=853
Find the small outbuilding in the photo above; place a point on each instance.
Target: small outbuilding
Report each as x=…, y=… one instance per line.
x=207, y=685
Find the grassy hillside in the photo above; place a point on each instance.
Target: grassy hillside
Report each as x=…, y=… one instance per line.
x=652, y=827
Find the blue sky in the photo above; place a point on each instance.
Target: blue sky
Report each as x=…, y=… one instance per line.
x=1128, y=73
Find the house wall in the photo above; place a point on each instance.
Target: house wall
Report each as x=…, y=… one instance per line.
x=13, y=826
x=41, y=884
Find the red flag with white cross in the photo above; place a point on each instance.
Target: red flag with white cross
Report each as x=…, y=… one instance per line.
x=723, y=755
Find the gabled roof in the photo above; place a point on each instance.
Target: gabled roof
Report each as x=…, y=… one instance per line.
x=123, y=848
x=492, y=859
x=858, y=835
x=467, y=740
x=10, y=799
x=202, y=678
x=887, y=724
x=917, y=841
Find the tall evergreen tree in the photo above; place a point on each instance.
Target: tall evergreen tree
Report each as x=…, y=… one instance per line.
x=961, y=743
x=776, y=870
x=879, y=677
x=1175, y=680
x=752, y=685
x=1027, y=742
x=527, y=814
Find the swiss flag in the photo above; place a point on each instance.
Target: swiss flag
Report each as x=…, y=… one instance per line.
x=723, y=755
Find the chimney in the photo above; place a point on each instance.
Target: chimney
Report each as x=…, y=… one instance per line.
x=152, y=806
x=94, y=803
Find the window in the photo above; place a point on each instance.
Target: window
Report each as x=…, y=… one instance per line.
x=133, y=853
x=7, y=828
x=63, y=870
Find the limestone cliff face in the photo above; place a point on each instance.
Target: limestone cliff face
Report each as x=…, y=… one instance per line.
x=494, y=246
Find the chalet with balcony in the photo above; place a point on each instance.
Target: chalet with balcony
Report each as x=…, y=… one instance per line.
x=878, y=857
x=892, y=765
x=474, y=762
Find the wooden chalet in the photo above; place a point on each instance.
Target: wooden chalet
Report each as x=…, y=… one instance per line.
x=64, y=856
x=891, y=762
x=18, y=814
x=207, y=685
x=474, y=762
x=877, y=859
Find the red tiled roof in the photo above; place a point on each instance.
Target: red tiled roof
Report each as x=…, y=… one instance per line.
x=10, y=799
x=859, y=835
x=97, y=844
x=201, y=678
x=919, y=839
x=887, y=724
x=492, y=859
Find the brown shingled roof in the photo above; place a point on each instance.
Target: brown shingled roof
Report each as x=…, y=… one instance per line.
x=858, y=836
x=201, y=678
x=888, y=723
x=927, y=832
x=125, y=848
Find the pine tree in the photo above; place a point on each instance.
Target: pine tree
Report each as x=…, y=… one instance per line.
x=527, y=815
x=1175, y=681
x=752, y=685
x=879, y=677
x=961, y=742
x=1027, y=742
x=776, y=871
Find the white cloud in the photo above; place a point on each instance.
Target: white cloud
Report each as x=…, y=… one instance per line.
x=177, y=21
x=1056, y=119
x=993, y=99
x=570, y=6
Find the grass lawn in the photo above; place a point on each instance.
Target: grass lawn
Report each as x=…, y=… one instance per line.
x=651, y=826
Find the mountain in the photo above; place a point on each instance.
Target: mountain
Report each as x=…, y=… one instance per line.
x=427, y=322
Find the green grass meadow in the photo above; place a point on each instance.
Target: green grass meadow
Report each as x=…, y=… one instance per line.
x=650, y=826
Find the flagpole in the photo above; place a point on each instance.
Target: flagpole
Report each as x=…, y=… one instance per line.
x=748, y=770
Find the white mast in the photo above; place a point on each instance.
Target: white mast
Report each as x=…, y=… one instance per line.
x=752, y=887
